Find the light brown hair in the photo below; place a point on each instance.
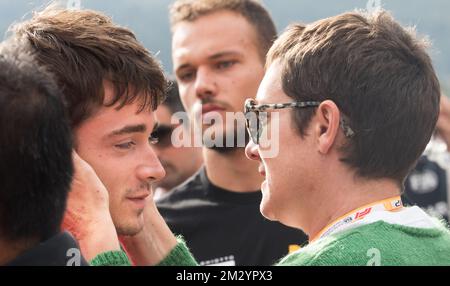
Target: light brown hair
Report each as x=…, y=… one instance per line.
x=251, y=10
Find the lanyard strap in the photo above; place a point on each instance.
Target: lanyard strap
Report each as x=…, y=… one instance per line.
x=390, y=204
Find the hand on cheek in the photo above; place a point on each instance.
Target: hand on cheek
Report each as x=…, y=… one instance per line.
x=87, y=214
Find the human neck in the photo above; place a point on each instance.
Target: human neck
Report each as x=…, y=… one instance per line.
x=337, y=202
x=232, y=171
x=11, y=250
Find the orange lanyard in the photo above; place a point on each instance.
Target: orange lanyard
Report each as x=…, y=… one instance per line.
x=390, y=204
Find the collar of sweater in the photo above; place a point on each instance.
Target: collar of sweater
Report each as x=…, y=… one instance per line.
x=388, y=211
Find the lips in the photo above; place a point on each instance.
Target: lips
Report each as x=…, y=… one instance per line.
x=209, y=107
x=139, y=196
x=139, y=201
x=262, y=170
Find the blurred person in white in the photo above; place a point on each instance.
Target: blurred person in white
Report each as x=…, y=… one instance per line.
x=427, y=186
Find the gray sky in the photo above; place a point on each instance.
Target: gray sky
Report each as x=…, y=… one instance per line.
x=149, y=19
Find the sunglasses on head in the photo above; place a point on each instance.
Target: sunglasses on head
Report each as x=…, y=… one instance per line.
x=255, y=116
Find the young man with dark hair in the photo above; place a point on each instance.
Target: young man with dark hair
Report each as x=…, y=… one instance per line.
x=35, y=164
x=111, y=86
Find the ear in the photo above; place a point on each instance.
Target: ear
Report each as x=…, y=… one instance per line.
x=327, y=125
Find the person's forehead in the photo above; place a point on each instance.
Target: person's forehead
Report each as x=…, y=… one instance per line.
x=109, y=118
x=270, y=89
x=211, y=34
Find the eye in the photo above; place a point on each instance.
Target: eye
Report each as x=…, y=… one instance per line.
x=125, y=146
x=225, y=64
x=186, y=76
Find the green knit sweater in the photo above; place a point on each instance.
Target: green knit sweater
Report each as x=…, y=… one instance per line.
x=378, y=243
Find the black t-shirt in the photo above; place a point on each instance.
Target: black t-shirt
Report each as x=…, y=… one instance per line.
x=60, y=250
x=222, y=227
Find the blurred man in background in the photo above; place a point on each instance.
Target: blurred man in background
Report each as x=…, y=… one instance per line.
x=180, y=163
x=428, y=185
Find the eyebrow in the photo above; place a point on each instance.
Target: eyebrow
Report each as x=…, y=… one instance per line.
x=224, y=54
x=139, y=128
x=213, y=57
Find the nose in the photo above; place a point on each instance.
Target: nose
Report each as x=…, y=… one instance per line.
x=157, y=150
x=205, y=84
x=251, y=151
x=150, y=169
x=160, y=154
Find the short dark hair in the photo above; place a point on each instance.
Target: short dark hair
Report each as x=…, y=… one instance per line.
x=173, y=100
x=379, y=75
x=82, y=48
x=253, y=11
x=35, y=148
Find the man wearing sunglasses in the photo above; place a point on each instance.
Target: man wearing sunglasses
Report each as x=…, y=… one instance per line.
x=357, y=100
x=180, y=163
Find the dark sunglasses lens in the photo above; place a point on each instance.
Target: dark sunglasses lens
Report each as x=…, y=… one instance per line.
x=164, y=134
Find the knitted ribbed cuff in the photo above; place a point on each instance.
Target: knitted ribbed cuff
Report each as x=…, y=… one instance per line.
x=179, y=256
x=111, y=258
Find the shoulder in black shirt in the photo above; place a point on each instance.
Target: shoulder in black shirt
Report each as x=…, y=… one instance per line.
x=60, y=250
